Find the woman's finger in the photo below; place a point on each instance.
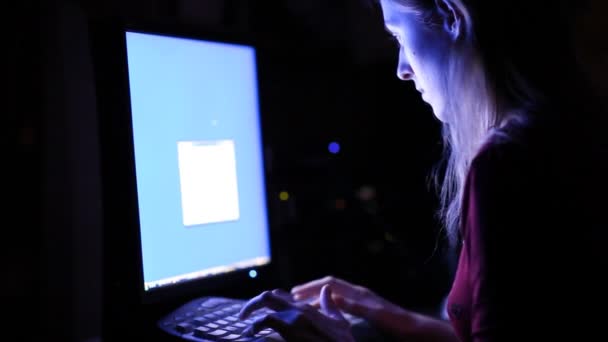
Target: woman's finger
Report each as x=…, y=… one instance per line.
x=328, y=306
x=283, y=294
x=269, y=321
x=265, y=300
x=313, y=288
x=291, y=324
x=352, y=307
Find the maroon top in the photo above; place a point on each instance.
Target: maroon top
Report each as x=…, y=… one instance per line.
x=531, y=263
x=467, y=307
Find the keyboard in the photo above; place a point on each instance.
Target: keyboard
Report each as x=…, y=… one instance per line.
x=209, y=319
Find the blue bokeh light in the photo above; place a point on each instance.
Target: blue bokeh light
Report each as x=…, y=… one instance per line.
x=334, y=147
x=253, y=274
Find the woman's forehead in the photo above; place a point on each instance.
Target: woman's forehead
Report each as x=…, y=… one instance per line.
x=395, y=14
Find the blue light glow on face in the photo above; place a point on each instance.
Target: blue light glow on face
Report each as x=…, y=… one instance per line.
x=423, y=54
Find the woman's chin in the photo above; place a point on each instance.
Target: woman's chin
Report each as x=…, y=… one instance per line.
x=440, y=119
x=439, y=115
x=438, y=112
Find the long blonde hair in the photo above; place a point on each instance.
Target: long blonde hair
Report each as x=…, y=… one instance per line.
x=471, y=99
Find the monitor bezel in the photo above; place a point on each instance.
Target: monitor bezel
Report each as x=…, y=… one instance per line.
x=120, y=203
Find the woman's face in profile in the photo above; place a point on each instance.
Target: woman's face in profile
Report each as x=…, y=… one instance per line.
x=422, y=54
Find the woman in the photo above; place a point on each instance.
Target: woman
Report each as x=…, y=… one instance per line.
x=523, y=140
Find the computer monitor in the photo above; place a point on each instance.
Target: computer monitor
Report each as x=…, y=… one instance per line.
x=198, y=157
x=183, y=172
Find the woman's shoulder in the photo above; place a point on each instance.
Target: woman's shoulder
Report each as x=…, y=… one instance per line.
x=511, y=146
x=557, y=149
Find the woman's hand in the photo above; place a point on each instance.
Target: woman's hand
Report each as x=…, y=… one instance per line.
x=296, y=321
x=391, y=318
x=354, y=299
x=359, y=301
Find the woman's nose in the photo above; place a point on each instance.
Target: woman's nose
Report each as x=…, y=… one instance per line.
x=404, y=72
x=404, y=69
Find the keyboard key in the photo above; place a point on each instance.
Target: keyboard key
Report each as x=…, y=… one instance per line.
x=213, y=302
x=210, y=316
x=221, y=321
x=229, y=328
x=230, y=337
x=184, y=328
x=265, y=332
x=240, y=325
x=232, y=318
x=218, y=332
x=213, y=326
x=198, y=321
x=245, y=339
x=201, y=332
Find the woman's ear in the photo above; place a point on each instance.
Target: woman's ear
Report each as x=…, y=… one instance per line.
x=452, y=17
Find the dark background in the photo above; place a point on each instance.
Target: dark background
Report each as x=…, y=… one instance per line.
x=328, y=74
